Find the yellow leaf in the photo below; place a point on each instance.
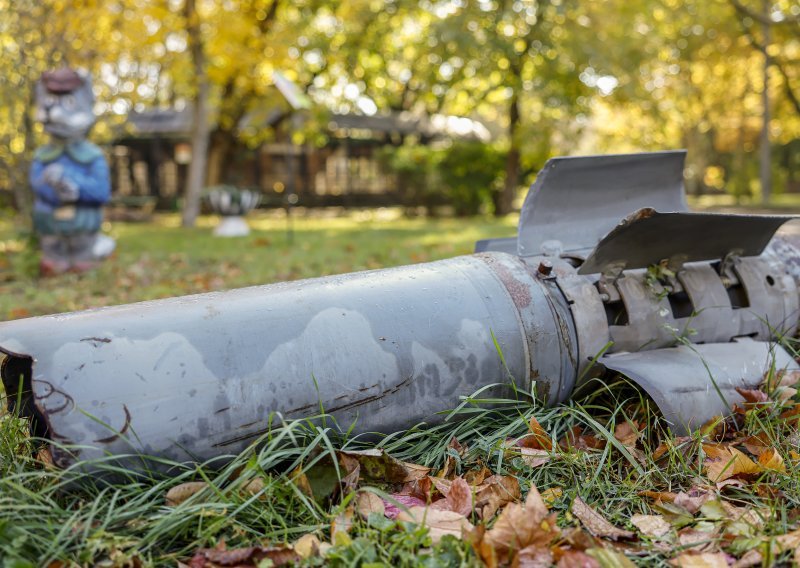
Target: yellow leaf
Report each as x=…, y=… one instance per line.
x=772, y=460
x=367, y=502
x=723, y=462
x=182, y=492
x=307, y=545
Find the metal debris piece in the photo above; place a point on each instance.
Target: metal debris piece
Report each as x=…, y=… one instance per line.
x=687, y=312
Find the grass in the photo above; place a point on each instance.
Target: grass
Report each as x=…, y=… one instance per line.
x=55, y=518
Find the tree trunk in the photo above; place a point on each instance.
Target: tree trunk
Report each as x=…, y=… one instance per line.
x=200, y=131
x=504, y=204
x=765, y=166
x=219, y=156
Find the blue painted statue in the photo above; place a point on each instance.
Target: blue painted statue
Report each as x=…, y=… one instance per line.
x=69, y=176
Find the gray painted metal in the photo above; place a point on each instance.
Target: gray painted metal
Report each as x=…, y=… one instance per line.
x=693, y=383
x=577, y=200
x=199, y=376
x=647, y=237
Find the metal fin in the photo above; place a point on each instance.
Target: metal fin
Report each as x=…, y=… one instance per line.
x=692, y=384
x=578, y=200
x=647, y=237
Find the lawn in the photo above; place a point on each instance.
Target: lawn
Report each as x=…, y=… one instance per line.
x=595, y=482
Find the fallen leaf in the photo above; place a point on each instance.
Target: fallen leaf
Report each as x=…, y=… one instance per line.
x=749, y=559
x=551, y=495
x=477, y=476
x=519, y=526
x=627, y=433
x=533, y=557
x=439, y=522
x=654, y=526
x=608, y=558
x=772, y=460
x=243, y=557
x=458, y=498
x=701, y=560
x=666, y=496
x=693, y=499
x=377, y=465
x=724, y=461
x=533, y=457
x=538, y=439
x=595, y=523
x=367, y=503
x=577, y=559
x=180, y=493
x=698, y=540
x=575, y=439
x=752, y=396
x=254, y=486
x=391, y=508
x=307, y=546
x=495, y=492
x=300, y=480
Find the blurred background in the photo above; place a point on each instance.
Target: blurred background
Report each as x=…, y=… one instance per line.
x=391, y=109
x=418, y=103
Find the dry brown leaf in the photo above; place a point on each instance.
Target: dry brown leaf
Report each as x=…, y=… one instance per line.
x=533, y=557
x=749, y=559
x=574, y=438
x=659, y=495
x=377, y=465
x=772, y=460
x=477, y=476
x=785, y=378
x=693, y=499
x=752, y=396
x=533, y=457
x=439, y=522
x=701, y=560
x=627, y=433
x=367, y=502
x=307, y=546
x=494, y=492
x=698, y=540
x=519, y=527
x=595, y=523
x=788, y=541
x=577, y=559
x=300, y=480
x=538, y=438
x=243, y=557
x=654, y=526
x=459, y=499
x=724, y=461
x=182, y=492
x=254, y=486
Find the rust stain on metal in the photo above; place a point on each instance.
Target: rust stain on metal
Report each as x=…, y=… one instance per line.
x=519, y=291
x=122, y=431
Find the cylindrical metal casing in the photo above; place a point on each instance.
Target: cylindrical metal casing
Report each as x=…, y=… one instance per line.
x=200, y=376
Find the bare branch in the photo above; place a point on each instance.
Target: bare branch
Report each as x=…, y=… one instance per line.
x=761, y=18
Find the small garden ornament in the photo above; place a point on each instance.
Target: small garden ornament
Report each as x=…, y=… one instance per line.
x=232, y=204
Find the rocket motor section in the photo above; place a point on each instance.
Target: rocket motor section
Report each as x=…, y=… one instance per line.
x=202, y=376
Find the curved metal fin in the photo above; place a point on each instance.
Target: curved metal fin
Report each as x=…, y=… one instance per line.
x=692, y=384
x=578, y=200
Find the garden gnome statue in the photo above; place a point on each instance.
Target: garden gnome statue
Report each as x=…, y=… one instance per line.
x=69, y=176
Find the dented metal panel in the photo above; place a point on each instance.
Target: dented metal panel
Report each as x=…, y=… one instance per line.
x=694, y=383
